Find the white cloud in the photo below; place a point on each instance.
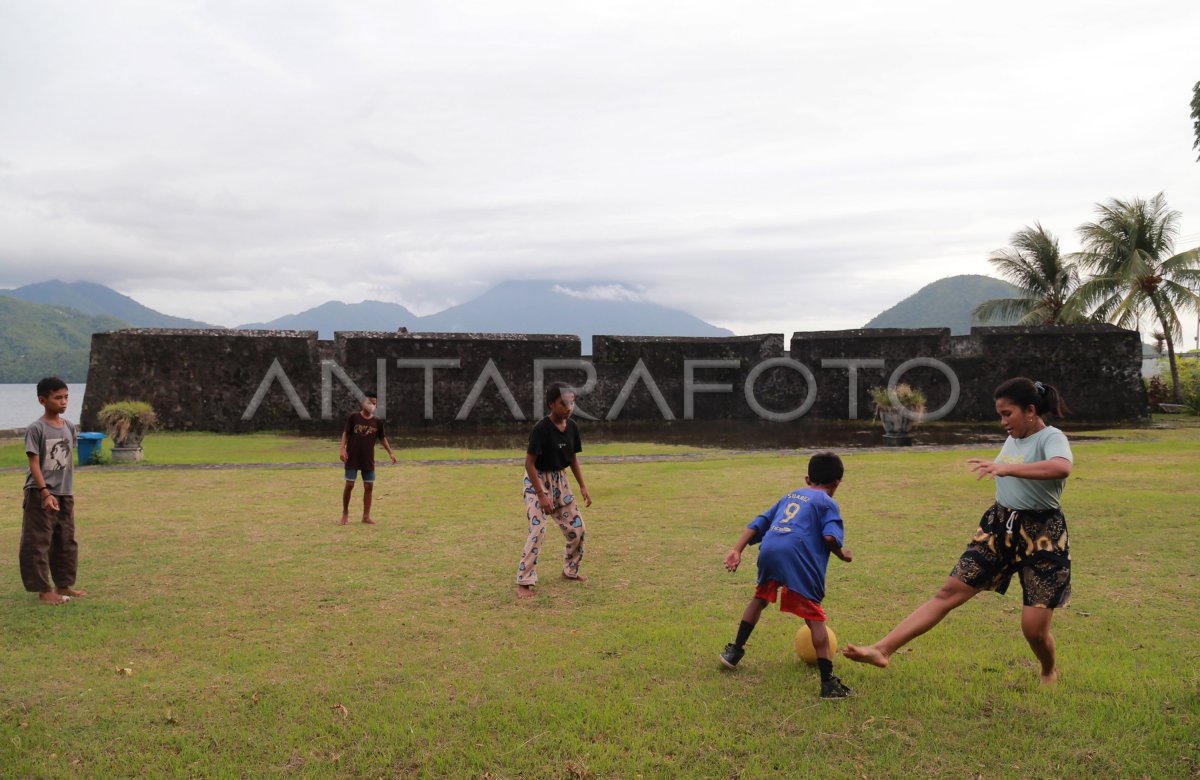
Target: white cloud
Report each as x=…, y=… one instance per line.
x=767, y=167
x=600, y=292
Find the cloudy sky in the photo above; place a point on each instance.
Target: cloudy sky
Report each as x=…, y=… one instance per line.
x=768, y=166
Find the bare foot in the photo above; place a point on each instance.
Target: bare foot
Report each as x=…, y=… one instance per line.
x=68, y=591
x=345, y=520
x=1050, y=680
x=52, y=598
x=368, y=521
x=525, y=592
x=866, y=655
x=576, y=578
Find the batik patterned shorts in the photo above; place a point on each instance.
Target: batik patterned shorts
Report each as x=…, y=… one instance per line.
x=1031, y=543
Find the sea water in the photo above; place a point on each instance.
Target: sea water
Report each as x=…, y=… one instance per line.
x=19, y=405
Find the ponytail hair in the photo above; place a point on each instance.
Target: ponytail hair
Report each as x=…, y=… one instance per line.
x=1025, y=392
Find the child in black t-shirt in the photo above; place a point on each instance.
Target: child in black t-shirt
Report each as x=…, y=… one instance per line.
x=554, y=445
x=363, y=429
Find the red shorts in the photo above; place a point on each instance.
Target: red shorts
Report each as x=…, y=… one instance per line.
x=790, y=601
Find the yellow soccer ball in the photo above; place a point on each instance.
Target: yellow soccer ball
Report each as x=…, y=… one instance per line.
x=804, y=645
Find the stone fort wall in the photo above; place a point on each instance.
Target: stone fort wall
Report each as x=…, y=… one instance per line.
x=230, y=381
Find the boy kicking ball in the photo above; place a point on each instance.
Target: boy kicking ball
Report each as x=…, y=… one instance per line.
x=795, y=538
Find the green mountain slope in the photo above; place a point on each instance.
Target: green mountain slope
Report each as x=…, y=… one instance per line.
x=38, y=340
x=946, y=303
x=97, y=300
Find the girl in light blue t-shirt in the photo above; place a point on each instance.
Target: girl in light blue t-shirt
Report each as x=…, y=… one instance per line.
x=1024, y=532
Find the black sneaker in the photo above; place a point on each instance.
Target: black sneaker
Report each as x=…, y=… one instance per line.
x=834, y=689
x=732, y=654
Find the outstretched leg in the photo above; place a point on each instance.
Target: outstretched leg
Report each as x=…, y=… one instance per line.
x=952, y=594
x=1035, y=624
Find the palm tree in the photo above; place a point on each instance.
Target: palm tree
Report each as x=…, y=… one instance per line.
x=1045, y=279
x=1196, y=116
x=1129, y=248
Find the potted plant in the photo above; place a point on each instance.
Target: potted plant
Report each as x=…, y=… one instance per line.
x=127, y=423
x=900, y=410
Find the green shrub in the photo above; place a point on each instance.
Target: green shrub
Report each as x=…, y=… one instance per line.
x=1192, y=402
x=1189, y=377
x=910, y=398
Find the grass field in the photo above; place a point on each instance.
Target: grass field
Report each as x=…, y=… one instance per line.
x=198, y=449
x=235, y=630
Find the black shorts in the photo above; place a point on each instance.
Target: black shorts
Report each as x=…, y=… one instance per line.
x=1030, y=542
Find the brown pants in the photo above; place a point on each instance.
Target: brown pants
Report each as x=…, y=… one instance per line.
x=48, y=547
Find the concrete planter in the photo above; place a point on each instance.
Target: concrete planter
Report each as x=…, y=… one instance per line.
x=898, y=425
x=126, y=454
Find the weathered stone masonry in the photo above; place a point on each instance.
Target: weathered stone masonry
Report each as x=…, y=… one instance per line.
x=220, y=380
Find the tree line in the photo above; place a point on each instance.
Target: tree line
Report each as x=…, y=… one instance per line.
x=1128, y=268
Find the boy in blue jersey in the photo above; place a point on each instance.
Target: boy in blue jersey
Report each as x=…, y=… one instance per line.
x=795, y=538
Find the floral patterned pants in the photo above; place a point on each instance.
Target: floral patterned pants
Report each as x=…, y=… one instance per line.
x=565, y=513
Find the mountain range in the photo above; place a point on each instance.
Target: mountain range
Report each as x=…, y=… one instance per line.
x=47, y=327
x=335, y=315
x=513, y=307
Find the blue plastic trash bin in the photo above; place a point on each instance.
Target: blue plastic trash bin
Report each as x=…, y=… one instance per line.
x=89, y=447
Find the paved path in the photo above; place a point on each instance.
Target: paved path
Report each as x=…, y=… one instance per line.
x=517, y=462
x=337, y=465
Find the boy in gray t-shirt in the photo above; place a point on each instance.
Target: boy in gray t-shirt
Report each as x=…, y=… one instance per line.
x=48, y=548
